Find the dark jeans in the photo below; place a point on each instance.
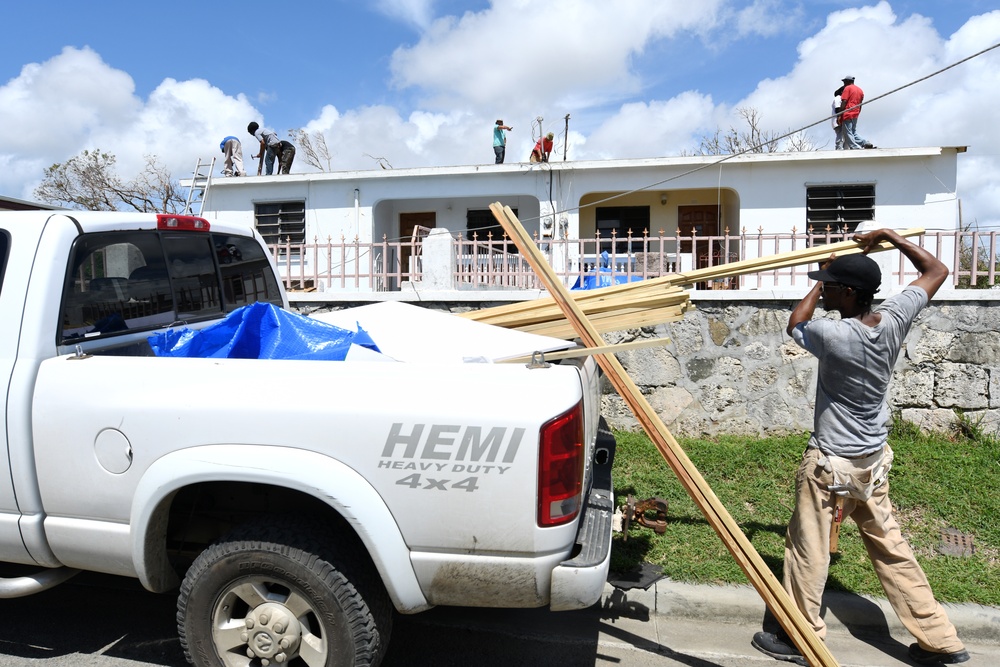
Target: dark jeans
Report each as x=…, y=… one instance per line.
x=500, y=151
x=287, y=155
x=284, y=162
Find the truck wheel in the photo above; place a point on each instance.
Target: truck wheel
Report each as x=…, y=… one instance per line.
x=273, y=595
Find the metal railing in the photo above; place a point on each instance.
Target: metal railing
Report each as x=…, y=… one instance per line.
x=494, y=263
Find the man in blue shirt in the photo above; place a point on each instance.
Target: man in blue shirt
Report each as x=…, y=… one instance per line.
x=500, y=141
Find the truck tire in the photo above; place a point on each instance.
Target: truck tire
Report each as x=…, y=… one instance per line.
x=279, y=593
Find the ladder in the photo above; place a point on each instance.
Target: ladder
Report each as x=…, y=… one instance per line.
x=200, y=183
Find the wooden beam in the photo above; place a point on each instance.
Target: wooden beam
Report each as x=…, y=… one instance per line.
x=798, y=629
x=590, y=351
x=657, y=292
x=781, y=260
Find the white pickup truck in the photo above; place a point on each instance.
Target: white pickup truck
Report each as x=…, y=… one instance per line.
x=295, y=503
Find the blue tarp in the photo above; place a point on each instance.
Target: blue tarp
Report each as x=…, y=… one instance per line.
x=261, y=331
x=603, y=278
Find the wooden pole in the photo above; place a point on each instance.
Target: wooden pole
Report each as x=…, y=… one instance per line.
x=760, y=576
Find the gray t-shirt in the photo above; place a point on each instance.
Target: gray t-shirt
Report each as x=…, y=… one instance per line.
x=268, y=136
x=855, y=367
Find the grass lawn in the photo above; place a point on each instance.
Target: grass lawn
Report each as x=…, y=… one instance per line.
x=937, y=482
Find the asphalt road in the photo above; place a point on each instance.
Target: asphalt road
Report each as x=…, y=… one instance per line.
x=99, y=621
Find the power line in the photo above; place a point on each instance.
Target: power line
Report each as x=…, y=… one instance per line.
x=755, y=148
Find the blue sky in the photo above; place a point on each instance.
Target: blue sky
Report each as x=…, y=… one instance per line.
x=420, y=82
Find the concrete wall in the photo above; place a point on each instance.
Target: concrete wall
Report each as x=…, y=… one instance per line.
x=729, y=367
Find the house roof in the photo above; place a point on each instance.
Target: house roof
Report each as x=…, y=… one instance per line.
x=12, y=204
x=692, y=161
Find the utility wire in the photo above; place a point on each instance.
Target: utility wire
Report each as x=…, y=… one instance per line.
x=755, y=148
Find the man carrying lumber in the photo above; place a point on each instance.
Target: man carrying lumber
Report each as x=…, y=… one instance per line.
x=847, y=461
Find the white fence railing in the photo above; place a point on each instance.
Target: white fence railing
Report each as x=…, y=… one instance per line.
x=493, y=263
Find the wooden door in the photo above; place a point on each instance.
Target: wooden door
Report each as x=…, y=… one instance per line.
x=701, y=219
x=407, y=221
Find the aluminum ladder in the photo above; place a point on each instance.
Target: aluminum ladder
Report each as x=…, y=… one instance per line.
x=201, y=181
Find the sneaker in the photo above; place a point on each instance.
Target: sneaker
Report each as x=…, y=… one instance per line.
x=924, y=657
x=869, y=145
x=778, y=646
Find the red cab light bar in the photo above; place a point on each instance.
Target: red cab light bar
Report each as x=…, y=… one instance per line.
x=188, y=223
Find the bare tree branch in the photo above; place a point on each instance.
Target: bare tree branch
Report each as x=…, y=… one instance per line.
x=753, y=139
x=382, y=162
x=313, y=148
x=90, y=181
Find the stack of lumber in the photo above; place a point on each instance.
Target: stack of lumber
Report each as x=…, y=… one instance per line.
x=649, y=302
x=639, y=304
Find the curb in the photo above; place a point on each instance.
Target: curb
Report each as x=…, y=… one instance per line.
x=845, y=612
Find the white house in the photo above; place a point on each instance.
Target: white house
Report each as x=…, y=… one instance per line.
x=704, y=196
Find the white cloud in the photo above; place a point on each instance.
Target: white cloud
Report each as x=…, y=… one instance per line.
x=517, y=60
x=75, y=101
x=416, y=12
x=528, y=57
x=767, y=18
x=654, y=129
x=52, y=105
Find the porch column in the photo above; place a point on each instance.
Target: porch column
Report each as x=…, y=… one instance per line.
x=438, y=259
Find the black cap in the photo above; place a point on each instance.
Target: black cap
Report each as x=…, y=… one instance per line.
x=858, y=271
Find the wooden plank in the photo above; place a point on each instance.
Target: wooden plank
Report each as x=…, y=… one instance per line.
x=590, y=351
x=545, y=308
x=607, y=322
x=798, y=629
x=782, y=260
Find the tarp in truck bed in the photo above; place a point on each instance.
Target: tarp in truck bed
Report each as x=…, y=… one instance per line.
x=262, y=331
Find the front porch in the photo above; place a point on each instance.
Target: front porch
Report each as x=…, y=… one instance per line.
x=439, y=260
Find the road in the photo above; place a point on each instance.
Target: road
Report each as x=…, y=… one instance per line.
x=98, y=621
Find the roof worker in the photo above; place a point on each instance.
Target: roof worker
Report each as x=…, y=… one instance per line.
x=272, y=148
x=838, y=120
x=540, y=153
x=844, y=470
x=851, y=98
x=232, y=149
x=500, y=141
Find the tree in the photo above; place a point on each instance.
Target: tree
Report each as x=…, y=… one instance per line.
x=313, y=148
x=90, y=181
x=753, y=139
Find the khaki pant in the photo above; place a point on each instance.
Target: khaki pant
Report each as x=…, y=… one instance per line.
x=233, y=152
x=807, y=558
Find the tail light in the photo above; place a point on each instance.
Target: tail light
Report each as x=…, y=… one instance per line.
x=188, y=223
x=560, y=468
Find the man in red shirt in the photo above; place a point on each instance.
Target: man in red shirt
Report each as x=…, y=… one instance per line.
x=540, y=153
x=850, y=101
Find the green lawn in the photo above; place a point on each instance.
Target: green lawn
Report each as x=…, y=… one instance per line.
x=936, y=483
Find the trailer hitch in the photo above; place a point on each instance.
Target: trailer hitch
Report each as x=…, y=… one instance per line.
x=651, y=513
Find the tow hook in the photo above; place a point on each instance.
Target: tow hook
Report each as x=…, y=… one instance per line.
x=272, y=634
x=651, y=513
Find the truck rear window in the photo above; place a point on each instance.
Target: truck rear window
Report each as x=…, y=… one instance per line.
x=132, y=281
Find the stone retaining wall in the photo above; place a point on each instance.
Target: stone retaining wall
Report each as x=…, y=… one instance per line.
x=730, y=368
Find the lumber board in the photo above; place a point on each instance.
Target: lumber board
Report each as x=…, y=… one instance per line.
x=590, y=351
x=545, y=312
x=760, y=576
x=590, y=301
x=651, y=290
x=782, y=260
x=643, y=317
